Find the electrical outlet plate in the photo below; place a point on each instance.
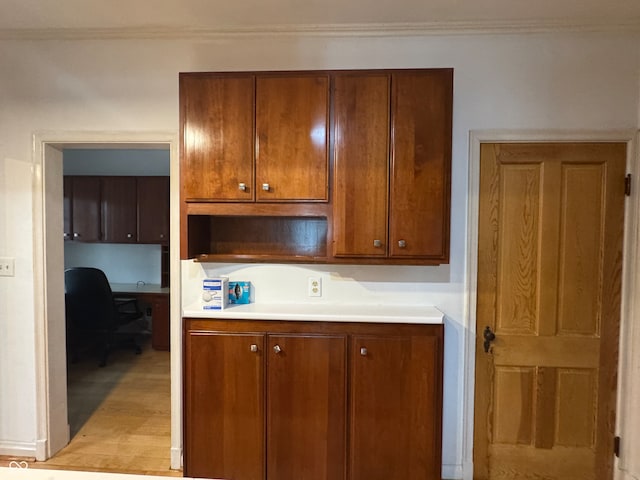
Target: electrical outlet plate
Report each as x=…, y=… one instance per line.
x=7, y=267
x=314, y=287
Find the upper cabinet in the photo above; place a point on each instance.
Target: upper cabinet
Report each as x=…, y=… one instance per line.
x=83, y=219
x=392, y=165
x=338, y=167
x=153, y=209
x=116, y=209
x=119, y=210
x=252, y=138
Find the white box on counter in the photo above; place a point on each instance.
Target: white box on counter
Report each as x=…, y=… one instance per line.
x=215, y=293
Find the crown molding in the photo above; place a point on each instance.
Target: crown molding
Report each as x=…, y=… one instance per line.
x=476, y=27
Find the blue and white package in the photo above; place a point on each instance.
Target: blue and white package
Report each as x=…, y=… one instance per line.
x=214, y=293
x=239, y=292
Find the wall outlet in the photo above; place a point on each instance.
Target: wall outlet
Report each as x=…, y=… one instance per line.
x=314, y=287
x=7, y=267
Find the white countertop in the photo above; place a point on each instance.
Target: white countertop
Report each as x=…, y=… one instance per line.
x=138, y=288
x=322, y=312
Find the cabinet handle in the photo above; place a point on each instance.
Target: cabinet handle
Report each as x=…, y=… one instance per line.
x=242, y=187
x=266, y=187
x=377, y=243
x=363, y=351
x=254, y=347
x=162, y=235
x=76, y=235
x=65, y=235
x=402, y=243
x=129, y=235
x=277, y=349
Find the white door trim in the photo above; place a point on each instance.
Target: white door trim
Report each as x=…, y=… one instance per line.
x=630, y=269
x=99, y=139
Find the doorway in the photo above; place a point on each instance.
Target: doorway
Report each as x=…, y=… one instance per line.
x=551, y=225
x=53, y=429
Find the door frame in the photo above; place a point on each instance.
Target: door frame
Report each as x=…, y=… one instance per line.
x=630, y=267
x=49, y=313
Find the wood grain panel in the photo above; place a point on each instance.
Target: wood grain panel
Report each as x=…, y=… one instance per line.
x=306, y=407
x=119, y=212
x=517, y=269
x=217, y=137
x=421, y=122
x=576, y=407
x=547, y=351
x=514, y=400
x=361, y=164
x=224, y=406
x=292, y=126
x=581, y=249
x=577, y=290
x=395, y=407
x=153, y=209
x=86, y=209
x=518, y=463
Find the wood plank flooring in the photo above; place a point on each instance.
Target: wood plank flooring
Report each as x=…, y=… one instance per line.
x=119, y=415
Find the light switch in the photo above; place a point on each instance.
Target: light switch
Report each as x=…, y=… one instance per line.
x=7, y=266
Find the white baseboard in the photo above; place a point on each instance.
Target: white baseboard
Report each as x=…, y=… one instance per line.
x=18, y=449
x=452, y=472
x=176, y=458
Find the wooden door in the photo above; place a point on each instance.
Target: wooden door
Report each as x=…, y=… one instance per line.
x=306, y=407
x=395, y=407
x=153, y=209
x=549, y=285
x=217, y=137
x=292, y=123
x=120, y=222
x=361, y=169
x=421, y=113
x=224, y=405
x=85, y=209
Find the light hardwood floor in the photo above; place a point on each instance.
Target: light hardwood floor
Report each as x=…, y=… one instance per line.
x=119, y=415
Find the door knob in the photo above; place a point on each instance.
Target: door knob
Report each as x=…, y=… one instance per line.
x=489, y=337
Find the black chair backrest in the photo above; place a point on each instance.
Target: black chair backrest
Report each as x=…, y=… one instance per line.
x=89, y=300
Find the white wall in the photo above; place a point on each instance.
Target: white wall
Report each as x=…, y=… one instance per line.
x=546, y=81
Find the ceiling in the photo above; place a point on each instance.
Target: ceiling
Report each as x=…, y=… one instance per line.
x=33, y=18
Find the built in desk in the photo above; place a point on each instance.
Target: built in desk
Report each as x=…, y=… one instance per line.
x=156, y=298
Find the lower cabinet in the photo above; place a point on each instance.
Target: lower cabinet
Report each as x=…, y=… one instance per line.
x=313, y=401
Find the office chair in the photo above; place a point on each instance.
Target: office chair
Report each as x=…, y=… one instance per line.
x=94, y=315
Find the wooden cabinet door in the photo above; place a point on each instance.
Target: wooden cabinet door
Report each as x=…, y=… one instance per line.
x=217, y=137
x=153, y=209
x=395, y=408
x=421, y=104
x=361, y=169
x=85, y=209
x=160, y=330
x=224, y=406
x=67, y=226
x=119, y=217
x=292, y=119
x=306, y=407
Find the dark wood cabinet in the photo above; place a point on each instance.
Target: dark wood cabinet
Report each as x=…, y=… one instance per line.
x=224, y=405
x=392, y=165
x=314, y=400
x=252, y=137
x=119, y=216
x=292, y=126
x=217, y=137
x=394, y=391
x=116, y=209
x=255, y=145
x=85, y=209
x=306, y=407
x=153, y=209
x=160, y=320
